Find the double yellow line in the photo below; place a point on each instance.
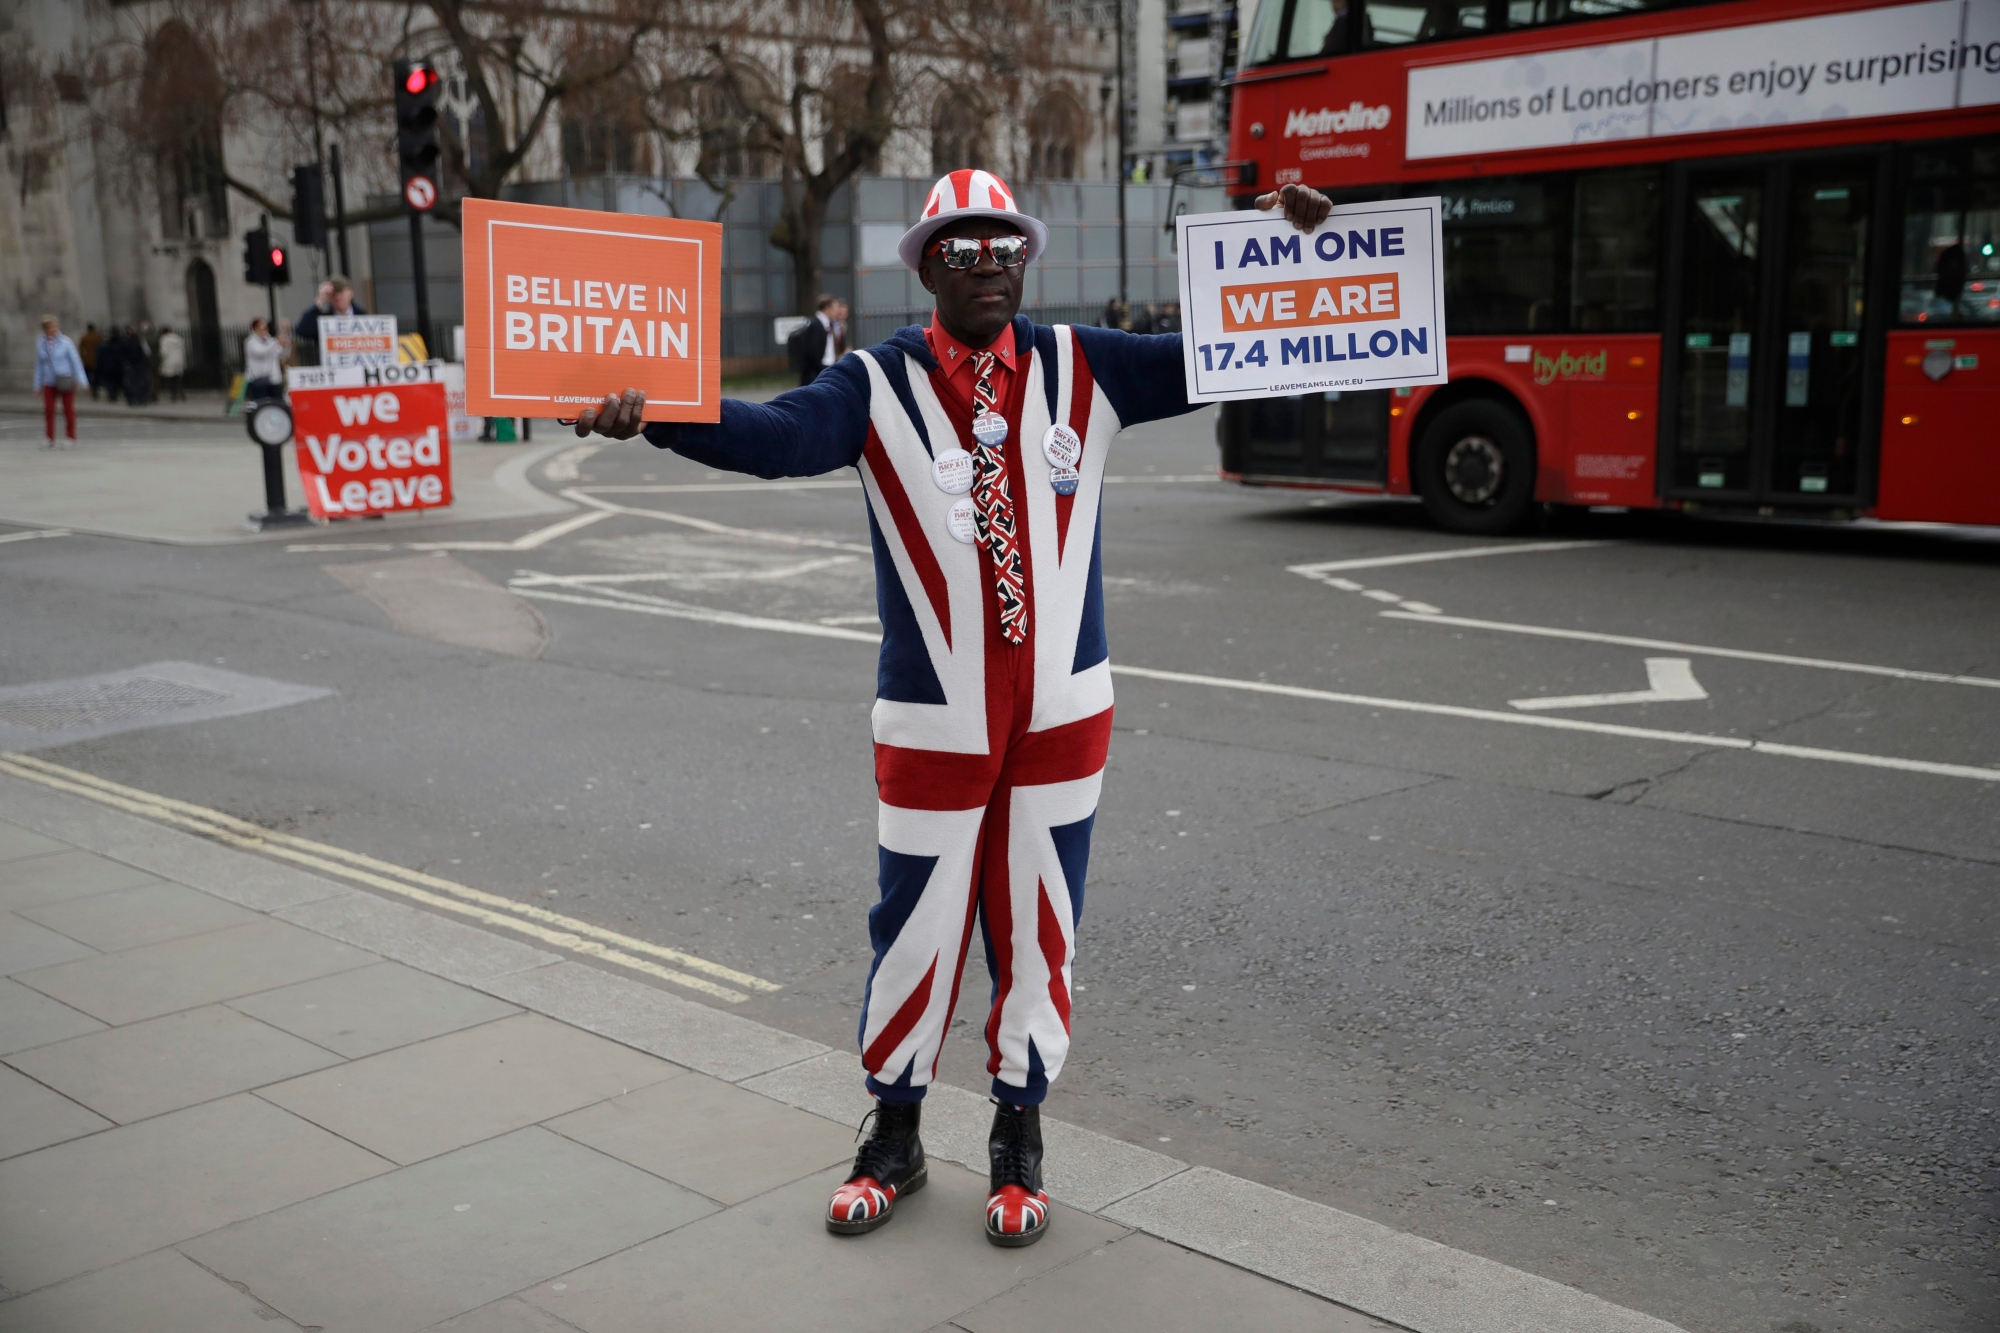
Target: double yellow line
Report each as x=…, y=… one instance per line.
x=551, y=928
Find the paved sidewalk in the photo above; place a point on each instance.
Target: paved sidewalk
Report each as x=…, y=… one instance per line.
x=200, y=405
x=236, y=1096
x=196, y=488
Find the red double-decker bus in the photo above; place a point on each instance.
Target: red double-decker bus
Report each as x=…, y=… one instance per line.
x=1737, y=255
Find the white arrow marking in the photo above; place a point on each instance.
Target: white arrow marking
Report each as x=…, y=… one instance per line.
x=1672, y=679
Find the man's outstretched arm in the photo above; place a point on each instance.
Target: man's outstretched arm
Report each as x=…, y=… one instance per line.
x=1142, y=375
x=818, y=428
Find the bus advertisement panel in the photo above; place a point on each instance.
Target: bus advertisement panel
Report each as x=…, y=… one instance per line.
x=1734, y=256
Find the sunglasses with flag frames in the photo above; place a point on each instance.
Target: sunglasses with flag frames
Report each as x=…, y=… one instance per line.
x=963, y=252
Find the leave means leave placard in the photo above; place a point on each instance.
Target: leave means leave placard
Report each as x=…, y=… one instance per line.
x=566, y=305
x=1356, y=303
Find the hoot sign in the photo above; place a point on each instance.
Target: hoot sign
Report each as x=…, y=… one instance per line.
x=566, y=305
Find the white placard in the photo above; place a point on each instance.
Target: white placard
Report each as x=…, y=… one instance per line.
x=1269, y=310
x=357, y=340
x=356, y=377
x=784, y=326
x=1886, y=61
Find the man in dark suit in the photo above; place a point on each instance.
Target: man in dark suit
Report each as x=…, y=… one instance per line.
x=820, y=341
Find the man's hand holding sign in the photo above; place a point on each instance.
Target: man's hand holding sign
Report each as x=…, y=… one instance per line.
x=981, y=443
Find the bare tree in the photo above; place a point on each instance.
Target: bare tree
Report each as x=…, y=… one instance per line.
x=825, y=118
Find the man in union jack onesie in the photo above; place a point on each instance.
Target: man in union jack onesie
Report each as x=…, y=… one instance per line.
x=981, y=443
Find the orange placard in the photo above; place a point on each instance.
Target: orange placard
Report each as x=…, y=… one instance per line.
x=566, y=305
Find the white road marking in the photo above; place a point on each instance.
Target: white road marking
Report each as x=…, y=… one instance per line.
x=659, y=607
x=869, y=618
x=1320, y=570
x=342, y=546
x=528, y=542
x=1692, y=738
x=720, y=529
x=529, y=578
x=712, y=487
x=1671, y=679
x=489, y=908
x=564, y=466
x=1699, y=649
x=31, y=536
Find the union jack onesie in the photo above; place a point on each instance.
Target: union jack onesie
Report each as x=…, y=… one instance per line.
x=988, y=756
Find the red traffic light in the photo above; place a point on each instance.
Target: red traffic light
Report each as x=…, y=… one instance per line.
x=419, y=78
x=277, y=257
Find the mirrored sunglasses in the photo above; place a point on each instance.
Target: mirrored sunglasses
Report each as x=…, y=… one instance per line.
x=962, y=252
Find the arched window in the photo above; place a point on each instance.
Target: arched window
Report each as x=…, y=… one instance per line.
x=1057, y=129
x=204, y=327
x=960, y=133
x=181, y=112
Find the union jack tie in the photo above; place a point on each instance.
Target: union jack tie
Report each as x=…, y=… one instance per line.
x=993, y=510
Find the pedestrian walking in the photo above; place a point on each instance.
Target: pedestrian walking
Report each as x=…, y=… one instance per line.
x=981, y=441
x=335, y=297
x=820, y=341
x=58, y=372
x=135, y=368
x=110, y=364
x=173, y=365
x=263, y=356
x=86, y=347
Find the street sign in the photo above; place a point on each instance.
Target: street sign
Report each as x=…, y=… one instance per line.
x=564, y=306
x=372, y=440
x=420, y=193
x=1271, y=311
x=347, y=341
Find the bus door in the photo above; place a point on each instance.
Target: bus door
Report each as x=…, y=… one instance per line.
x=1766, y=396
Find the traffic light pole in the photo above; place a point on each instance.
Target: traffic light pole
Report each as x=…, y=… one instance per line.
x=270, y=289
x=421, y=278
x=339, y=207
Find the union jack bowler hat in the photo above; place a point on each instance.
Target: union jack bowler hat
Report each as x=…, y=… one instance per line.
x=969, y=194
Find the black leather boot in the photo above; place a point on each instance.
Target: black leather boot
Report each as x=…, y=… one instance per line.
x=889, y=1166
x=1017, y=1208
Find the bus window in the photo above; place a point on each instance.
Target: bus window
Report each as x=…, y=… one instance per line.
x=1319, y=28
x=1951, y=235
x=1265, y=33
x=1614, y=265
x=1499, y=257
x=1400, y=22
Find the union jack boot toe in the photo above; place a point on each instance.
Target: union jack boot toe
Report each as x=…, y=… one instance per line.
x=889, y=1167
x=1017, y=1207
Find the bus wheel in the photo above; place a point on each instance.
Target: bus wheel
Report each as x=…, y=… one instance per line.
x=1476, y=463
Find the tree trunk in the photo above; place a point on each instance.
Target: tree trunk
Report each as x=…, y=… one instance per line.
x=798, y=235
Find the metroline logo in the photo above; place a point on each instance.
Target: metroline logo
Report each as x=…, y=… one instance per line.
x=1356, y=117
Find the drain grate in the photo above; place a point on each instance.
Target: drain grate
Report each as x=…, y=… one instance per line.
x=78, y=706
x=45, y=714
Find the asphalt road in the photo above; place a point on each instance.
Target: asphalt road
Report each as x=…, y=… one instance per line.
x=1704, y=1029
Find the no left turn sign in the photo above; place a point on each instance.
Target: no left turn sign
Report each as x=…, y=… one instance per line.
x=420, y=192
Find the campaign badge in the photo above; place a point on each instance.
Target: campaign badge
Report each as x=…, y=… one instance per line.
x=961, y=521
x=989, y=428
x=952, y=471
x=1061, y=447
x=1064, y=480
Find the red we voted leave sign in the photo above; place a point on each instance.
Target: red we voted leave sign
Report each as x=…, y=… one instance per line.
x=373, y=441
